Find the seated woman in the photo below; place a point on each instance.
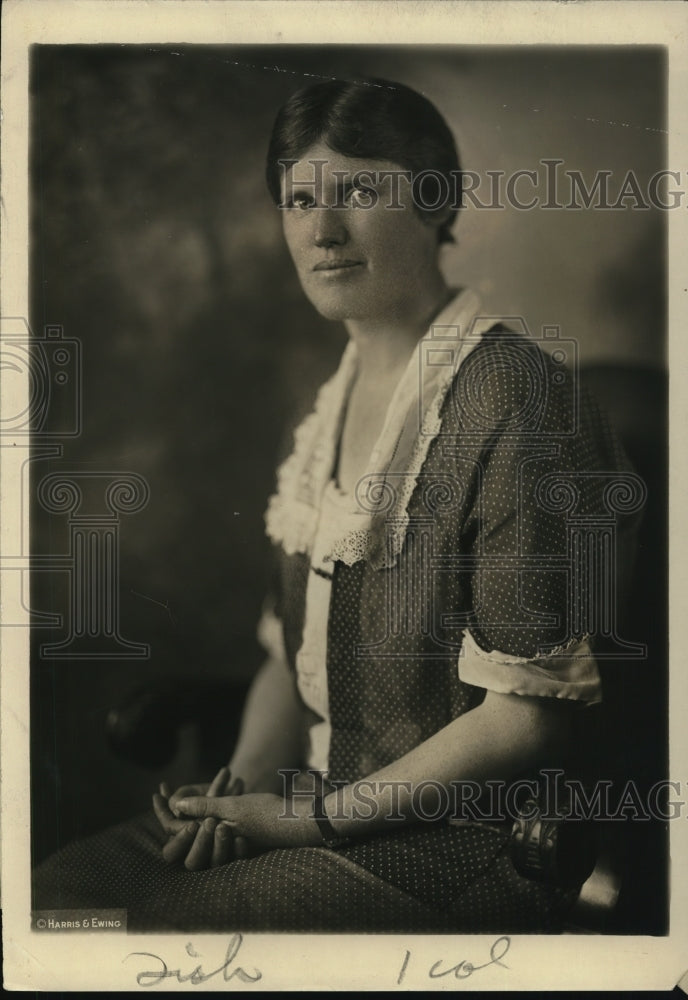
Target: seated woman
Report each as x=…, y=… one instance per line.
x=425, y=642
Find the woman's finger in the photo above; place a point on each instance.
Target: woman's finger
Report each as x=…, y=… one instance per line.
x=200, y=853
x=185, y=791
x=177, y=848
x=165, y=790
x=198, y=806
x=222, y=846
x=167, y=820
x=219, y=782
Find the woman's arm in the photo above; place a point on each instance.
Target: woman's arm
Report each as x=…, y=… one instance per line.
x=504, y=736
x=269, y=739
x=270, y=736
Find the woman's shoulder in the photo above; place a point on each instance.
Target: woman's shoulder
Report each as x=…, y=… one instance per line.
x=511, y=392
x=509, y=382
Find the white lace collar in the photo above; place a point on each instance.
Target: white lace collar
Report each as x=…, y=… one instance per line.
x=375, y=526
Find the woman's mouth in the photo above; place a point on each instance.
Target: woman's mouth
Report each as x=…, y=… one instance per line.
x=337, y=265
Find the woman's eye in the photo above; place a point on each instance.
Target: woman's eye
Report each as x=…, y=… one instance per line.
x=301, y=201
x=362, y=195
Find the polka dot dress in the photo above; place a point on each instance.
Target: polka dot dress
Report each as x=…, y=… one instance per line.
x=458, y=879
x=487, y=523
x=487, y=550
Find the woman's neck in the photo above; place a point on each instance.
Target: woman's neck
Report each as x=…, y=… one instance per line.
x=385, y=344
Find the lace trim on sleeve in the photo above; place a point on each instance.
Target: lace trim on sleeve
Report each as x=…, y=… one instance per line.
x=568, y=672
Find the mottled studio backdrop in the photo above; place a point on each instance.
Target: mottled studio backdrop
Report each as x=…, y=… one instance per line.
x=155, y=244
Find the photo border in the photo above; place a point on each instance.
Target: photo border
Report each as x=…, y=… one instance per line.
x=364, y=962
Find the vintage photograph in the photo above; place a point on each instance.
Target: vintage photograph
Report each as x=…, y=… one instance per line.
x=342, y=496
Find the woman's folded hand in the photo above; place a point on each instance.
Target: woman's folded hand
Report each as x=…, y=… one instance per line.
x=264, y=819
x=198, y=845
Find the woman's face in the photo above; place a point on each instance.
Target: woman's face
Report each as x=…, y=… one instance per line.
x=357, y=257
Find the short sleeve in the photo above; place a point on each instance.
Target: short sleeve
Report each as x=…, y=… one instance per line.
x=572, y=674
x=527, y=533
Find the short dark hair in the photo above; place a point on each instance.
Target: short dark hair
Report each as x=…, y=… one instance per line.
x=370, y=119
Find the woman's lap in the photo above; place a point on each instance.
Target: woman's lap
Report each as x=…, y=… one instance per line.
x=469, y=886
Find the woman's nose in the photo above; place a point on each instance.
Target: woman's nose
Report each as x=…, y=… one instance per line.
x=330, y=228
